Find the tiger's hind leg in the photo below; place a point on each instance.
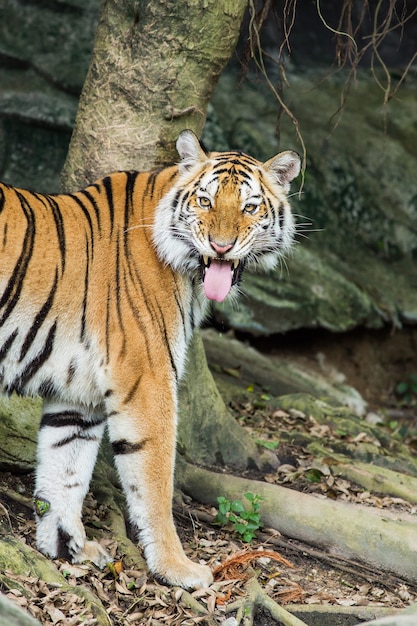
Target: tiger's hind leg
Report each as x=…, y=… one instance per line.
x=142, y=433
x=68, y=442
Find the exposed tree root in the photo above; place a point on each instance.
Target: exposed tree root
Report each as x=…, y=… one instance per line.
x=256, y=598
x=379, y=538
x=196, y=607
x=379, y=479
x=22, y=560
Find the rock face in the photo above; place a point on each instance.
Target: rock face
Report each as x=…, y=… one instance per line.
x=357, y=265
x=45, y=50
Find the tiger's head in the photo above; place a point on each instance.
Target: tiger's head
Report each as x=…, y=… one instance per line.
x=225, y=211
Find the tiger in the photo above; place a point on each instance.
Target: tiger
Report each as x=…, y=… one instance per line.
x=100, y=293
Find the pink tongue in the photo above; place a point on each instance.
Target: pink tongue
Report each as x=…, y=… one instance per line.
x=218, y=280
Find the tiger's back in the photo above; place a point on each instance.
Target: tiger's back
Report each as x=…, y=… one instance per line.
x=100, y=292
x=77, y=278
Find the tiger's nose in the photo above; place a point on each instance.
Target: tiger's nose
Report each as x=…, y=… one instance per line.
x=221, y=248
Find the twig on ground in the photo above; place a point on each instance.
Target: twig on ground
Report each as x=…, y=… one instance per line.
x=256, y=597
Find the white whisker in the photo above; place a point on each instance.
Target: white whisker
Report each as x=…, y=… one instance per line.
x=138, y=226
x=302, y=217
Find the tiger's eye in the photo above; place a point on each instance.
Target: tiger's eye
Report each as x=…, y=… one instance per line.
x=251, y=208
x=204, y=202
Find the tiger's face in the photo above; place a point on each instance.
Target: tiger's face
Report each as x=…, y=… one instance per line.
x=225, y=212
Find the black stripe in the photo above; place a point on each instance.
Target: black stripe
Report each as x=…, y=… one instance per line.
x=132, y=391
x=135, y=279
x=191, y=313
x=71, y=372
x=70, y=418
x=281, y=215
x=150, y=183
x=88, y=195
x=136, y=311
x=2, y=198
x=62, y=550
x=165, y=333
x=7, y=344
x=32, y=368
x=122, y=446
x=14, y=287
x=74, y=437
x=86, y=213
x=178, y=299
x=39, y=320
x=173, y=176
x=47, y=388
x=86, y=288
x=59, y=225
x=5, y=231
x=176, y=198
x=118, y=298
x=107, y=184
x=130, y=184
x=129, y=209
x=63, y=418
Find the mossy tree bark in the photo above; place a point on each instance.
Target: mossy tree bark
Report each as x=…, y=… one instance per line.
x=153, y=69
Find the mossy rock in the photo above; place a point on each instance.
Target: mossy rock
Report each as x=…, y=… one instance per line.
x=19, y=424
x=349, y=435
x=359, y=194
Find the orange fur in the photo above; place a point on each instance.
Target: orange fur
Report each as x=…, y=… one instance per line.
x=100, y=292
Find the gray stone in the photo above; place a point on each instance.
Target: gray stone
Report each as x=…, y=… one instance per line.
x=237, y=367
x=359, y=193
x=12, y=615
x=45, y=50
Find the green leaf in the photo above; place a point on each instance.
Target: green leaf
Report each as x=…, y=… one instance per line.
x=270, y=445
x=224, y=505
x=237, y=506
x=401, y=388
x=240, y=528
x=313, y=475
x=221, y=519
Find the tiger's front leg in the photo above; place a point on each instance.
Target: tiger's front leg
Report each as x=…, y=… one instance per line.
x=68, y=442
x=143, y=435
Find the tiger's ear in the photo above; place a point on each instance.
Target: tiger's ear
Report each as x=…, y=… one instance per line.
x=284, y=167
x=189, y=149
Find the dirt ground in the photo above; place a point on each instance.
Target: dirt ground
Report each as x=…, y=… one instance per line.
x=288, y=571
x=371, y=361
x=307, y=576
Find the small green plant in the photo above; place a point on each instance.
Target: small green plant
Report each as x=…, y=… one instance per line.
x=406, y=390
x=245, y=520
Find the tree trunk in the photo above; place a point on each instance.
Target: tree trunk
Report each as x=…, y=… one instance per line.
x=154, y=67
x=153, y=70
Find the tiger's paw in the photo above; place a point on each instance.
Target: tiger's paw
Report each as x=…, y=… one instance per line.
x=94, y=552
x=184, y=573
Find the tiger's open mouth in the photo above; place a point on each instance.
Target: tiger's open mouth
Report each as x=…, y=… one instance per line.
x=218, y=276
